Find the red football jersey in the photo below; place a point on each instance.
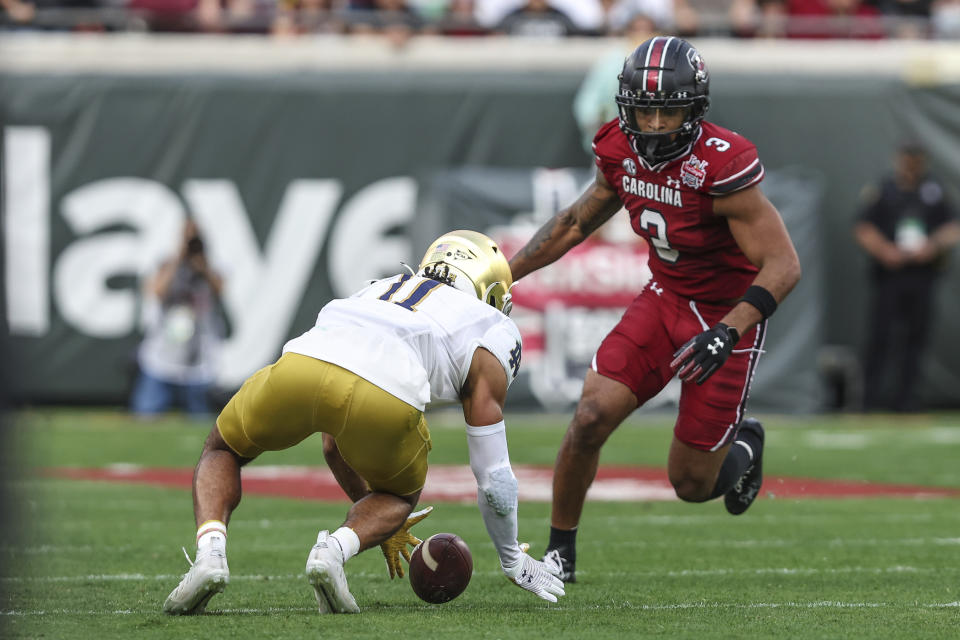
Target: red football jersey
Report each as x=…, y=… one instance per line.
x=693, y=253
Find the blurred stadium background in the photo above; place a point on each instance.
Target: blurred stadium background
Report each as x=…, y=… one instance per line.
x=315, y=163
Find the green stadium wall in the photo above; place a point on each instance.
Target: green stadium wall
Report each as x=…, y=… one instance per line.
x=309, y=182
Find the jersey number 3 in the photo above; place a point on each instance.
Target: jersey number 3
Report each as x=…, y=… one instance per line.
x=654, y=223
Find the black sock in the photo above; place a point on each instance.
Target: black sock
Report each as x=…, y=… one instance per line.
x=751, y=439
x=735, y=464
x=566, y=541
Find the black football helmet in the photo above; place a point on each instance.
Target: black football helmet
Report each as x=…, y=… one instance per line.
x=663, y=73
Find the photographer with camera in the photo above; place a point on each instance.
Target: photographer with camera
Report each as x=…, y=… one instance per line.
x=183, y=331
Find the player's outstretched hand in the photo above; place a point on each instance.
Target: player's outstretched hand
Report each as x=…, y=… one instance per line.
x=703, y=354
x=535, y=577
x=396, y=545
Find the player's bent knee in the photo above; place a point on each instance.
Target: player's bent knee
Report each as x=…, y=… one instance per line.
x=589, y=428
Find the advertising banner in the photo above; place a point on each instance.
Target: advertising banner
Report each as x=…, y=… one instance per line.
x=307, y=185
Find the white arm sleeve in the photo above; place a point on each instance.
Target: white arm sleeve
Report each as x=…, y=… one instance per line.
x=496, y=488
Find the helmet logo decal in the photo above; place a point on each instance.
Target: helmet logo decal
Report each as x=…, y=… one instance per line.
x=630, y=166
x=693, y=172
x=439, y=253
x=444, y=252
x=700, y=74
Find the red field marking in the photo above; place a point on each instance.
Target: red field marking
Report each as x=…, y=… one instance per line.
x=453, y=483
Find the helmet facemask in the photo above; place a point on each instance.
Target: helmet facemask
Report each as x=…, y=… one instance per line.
x=660, y=146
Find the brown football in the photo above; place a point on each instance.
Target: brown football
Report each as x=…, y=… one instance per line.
x=440, y=568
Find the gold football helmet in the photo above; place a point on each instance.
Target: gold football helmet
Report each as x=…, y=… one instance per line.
x=471, y=262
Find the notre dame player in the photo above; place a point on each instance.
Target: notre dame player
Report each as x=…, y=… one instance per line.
x=721, y=260
x=363, y=376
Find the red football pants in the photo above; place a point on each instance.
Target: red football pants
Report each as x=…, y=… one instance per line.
x=638, y=352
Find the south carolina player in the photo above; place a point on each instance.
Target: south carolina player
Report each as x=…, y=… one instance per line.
x=721, y=261
x=363, y=376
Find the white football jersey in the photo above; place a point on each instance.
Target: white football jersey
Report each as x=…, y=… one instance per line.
x=411, y=336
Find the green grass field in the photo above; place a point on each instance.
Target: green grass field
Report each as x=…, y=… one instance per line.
x=96, y=560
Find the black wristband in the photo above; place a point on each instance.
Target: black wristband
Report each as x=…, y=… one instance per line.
x=760, y=298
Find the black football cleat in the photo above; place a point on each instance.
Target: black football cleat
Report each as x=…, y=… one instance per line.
x=739, y=499
x=559, y=564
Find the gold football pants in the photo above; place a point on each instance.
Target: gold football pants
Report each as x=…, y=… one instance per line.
x=383, y=439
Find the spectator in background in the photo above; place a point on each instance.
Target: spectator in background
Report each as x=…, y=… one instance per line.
x=945, y=19
x=586, y=15
x=393, y=19
x=183, y=333
x=536, y=18
x=210, y=16
x=431, y=10
x=18, y=12
x=489, y=13
x=55, y=15
x=619, y=13
x=459, y=19
x=720, y=18
x=758, y=18
x=910, y=18
x=297, y=17
x=907, y=229
x=833, y=19
x=168, y=15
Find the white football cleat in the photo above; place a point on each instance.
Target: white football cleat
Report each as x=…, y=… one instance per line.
x=207, y=577
x=325, y=573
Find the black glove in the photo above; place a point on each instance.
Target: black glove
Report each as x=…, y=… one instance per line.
x=704, y=353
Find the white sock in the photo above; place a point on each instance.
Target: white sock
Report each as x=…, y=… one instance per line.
x=212, y=534
x=348, y=540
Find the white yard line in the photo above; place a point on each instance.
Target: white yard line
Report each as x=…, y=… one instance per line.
x=685, y=573
x=613, y=606
x=750, y=543
x=139, y=577
x=140, y=612
x=779, y=571
x=767, y=543
x=720, y=518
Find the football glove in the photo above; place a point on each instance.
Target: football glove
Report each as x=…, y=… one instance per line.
x=396, y=545
x=704, y=353
x=535, y=577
